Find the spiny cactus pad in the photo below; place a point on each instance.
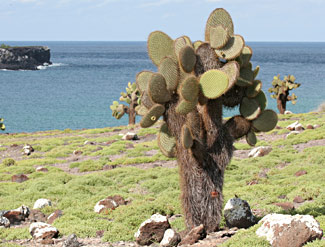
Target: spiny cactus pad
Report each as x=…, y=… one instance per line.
x=142, y=80
x=187, y=58
x=169, y=69
x=166, y=141
x=232, y=70
x=218, y=36
x=251, y=138
x=187, y=138
x=152, y=116
x=219, y=17
x=185, y=106
x=266, y=121
x=141, y=110
x=253, y=90
x=160, y=45
x=249, y=108
x=255, y=71
x=261, y=99
x=246, y=77
x=214, y=83
x=232, y=49
x=246, y=55
x=157, y=89
x=190, y=89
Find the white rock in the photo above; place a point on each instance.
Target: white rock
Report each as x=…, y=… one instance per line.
x=41, y=203
x=259, y=151
x=28, y=149
x=237, y=213
x=105, y=203
x=4, y=222
x=41, y=230
x=287, y=112
x=130, y=136
x=153, y=218
x=171, y=238
x=292, y=133
x=292, y=126
x=299, y=127
x=286, y=230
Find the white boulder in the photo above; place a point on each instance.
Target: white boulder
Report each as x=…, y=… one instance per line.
x=41, y=203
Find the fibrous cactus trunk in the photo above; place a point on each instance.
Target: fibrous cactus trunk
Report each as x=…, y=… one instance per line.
x=282, y=102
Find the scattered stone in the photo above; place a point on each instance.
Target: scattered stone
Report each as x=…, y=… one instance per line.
x=89, y=143
x=152, y=230
x=287, y=206
x=41, y=203
x=171, y=238
x=309, y=126
x=286, y=230
x=14, y=145
x=42, y=169
x=109, y=203
x=316, y=126
x=130, y=136
x=52, y=217
x=71, y=241
x=41, y=231
x=77, y=152
x=278, y=127
x=16, y=216
x=109, y=167
x=28, y=149
x=287, y=112
x=174, y=217
x=196, y=234
x=300, y=173
x=294, y=132
x=4, y=222
x=292, y=126
x=19, y=178
x=259, y=151
x=238, y=213
x=299, y=127
x=298, y=199
x=100, y=233
x=36, y=215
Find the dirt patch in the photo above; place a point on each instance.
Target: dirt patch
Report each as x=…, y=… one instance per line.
x=300, y=147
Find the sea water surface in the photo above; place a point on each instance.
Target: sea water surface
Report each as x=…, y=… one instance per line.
x=77, y=90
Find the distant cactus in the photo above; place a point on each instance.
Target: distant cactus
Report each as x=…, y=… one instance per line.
x=131, y=97
x=281, y=90
x=2, y=125
x=193, y=83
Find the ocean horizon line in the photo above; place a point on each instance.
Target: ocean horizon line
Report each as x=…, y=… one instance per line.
x=249, y=41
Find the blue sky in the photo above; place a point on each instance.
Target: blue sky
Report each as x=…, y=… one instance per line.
x=122, y=20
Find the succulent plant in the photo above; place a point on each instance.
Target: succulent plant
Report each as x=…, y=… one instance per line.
x=280, y=91
x=195, y=80
x=2, y=125
x=132, y=98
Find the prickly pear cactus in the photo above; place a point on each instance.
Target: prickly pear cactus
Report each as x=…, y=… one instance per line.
x=2, y=125
x=280, y=91
x=195, y=80
x=132, y=98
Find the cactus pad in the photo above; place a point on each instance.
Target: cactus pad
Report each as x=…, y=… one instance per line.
x=266, y=121
x=152, y=116
x=146, y=100
x=141, y=110
x=245, y=78
x=157, y=89
x=187, y=58
x=190, y=89
x=251, y=138
x=169, y=69
x=186, y=137
x=261, y=99
x=245, y=56
x=253, y=90
x=214, y=83
x=185, y=107
x=249, y=108
x=232, y=70
x=218, y=36
x=255, y=71
x=160, y=45
x=196, y=44
x=166, y=141
x=142, y=80
x=232, y=49
x=219, y=17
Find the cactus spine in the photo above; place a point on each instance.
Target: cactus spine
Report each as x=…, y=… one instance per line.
x=194, y=82
x=280, y=91
x=132, y=98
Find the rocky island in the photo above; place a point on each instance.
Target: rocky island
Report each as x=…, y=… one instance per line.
x=24, y=58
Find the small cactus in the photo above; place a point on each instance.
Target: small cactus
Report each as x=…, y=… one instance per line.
x=2, y=125
x=280, y=91
x=132, y=98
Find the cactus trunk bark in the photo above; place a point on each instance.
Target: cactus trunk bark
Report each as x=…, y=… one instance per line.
x=282, y=102
x=132, y=113
x=202, y=167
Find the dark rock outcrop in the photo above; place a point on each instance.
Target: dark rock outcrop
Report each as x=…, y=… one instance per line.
x=24, y=58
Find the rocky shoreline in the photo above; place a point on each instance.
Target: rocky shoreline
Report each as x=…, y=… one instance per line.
x=24, y=58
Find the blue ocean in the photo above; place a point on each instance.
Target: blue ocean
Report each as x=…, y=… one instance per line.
x=77, y=90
